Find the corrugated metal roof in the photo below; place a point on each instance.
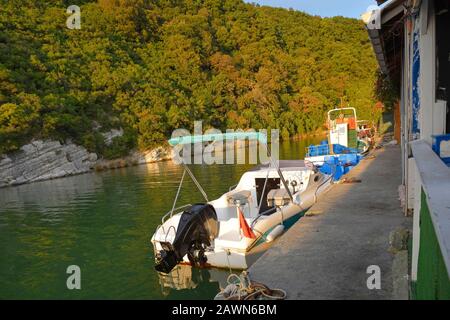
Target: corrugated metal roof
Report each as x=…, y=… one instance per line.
x=388, y=4
x=386, y=48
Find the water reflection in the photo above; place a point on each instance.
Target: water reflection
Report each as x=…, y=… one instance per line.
x=49, y=196
x=180, y=282
x=103, y=222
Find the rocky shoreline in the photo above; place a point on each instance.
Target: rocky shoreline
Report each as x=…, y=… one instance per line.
x=46, y=159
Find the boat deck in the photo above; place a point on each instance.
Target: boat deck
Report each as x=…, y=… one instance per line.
x=326, y=254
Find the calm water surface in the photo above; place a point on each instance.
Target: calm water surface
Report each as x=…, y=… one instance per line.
x=103, y=223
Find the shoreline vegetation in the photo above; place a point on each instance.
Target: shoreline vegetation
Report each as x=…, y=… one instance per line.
x=145, y=68
x=318, y=132
x=150, y=67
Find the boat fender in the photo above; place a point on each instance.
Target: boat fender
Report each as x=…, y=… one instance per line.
x=275, y=233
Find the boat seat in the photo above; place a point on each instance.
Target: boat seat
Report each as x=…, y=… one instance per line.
x=241, y=197
x=278, y=198
x=231, y=238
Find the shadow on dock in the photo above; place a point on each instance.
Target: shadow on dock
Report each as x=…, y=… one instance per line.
x=326, y=254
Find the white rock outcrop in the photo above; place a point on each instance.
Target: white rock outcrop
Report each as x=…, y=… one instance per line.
x=43, y=160
x=135, y=158
x=154, y=155
x=110, y=135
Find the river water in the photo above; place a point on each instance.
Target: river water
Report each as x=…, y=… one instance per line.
x=103, y=222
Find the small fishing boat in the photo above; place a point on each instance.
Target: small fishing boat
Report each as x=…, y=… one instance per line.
x=227, y=232
x=348, y=141
x=365, y=135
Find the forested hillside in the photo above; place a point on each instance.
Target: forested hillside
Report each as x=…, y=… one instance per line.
x=151, y=66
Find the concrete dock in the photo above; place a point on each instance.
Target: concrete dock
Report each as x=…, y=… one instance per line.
x=326, y=254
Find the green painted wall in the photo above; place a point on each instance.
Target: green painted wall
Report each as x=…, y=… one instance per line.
x=432, y=278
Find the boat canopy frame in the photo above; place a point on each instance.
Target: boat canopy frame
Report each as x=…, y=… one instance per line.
x=191, y=139
x=342, y=110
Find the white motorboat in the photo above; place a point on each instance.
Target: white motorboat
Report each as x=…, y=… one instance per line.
x=229, y=231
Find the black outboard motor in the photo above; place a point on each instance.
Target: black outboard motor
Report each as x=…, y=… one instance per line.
x=197, y=227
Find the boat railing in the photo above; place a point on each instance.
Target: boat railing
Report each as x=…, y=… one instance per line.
x=324, y=150
x=171, y=212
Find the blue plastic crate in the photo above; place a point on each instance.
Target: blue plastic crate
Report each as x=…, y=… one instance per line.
x=334, y=169
x=340, y=149
x=318, y=150
x=331, y=160
x=436, y=145
x=350, y=159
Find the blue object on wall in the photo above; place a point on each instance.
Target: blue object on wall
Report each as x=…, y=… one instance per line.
x=415, y=80
x=437, y=139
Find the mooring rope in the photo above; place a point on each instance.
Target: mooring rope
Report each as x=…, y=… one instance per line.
x=245, y=289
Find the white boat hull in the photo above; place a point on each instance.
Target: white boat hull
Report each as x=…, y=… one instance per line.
x=230, y=248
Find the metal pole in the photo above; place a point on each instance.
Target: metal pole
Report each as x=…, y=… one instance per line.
x=196, y=182
x=178, y=192
x=264, y=190
x=280, y=174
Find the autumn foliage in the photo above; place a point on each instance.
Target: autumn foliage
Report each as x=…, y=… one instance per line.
x=150, y=67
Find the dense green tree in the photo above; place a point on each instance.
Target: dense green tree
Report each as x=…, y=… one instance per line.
x=152, y=66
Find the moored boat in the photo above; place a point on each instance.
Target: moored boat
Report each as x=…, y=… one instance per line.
x=347, y=142
x=230, y=231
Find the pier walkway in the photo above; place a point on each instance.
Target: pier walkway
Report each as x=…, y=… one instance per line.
x=326, y=254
